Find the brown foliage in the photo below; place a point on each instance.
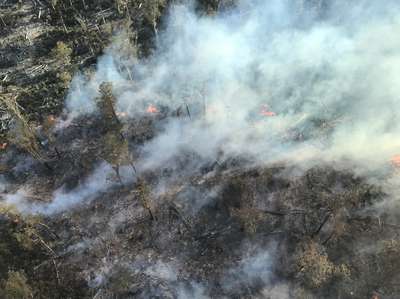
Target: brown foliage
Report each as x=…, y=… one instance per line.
x=16, y=286
x=315, y=268
x=62, y=52
x=22, y=134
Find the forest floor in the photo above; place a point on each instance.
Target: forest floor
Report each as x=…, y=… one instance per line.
x=229, y=230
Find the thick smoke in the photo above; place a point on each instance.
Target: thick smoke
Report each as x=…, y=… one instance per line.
x=269, y=81
x=330, y=83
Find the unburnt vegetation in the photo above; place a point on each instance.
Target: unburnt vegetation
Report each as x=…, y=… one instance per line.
x=164, y=232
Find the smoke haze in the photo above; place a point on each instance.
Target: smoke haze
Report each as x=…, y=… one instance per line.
x=331, y=84
x=268, y=82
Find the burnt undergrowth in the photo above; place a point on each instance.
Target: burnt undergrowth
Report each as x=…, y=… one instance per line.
x=199, y=219
x=96, y=223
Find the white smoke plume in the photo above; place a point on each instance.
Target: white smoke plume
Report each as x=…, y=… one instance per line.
x=99, y=181
x=168, y=273
x=256, y=267
x=269, y=82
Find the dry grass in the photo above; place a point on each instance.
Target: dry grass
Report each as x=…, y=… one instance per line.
x=62, y=52
x=250, y=218
x=22, y=134
x=316, y=269
x=16, y=286
x=144, y=196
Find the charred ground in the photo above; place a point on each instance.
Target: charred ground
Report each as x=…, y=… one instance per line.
x=322, y=240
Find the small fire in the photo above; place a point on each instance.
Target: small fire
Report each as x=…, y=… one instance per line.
x=3, y=146
x=152, y=109
x=395, y=160
x=265, y=111
x=48, y=123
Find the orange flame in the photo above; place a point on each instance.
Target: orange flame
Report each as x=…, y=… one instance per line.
x=3, y=146
x=395, y=160
x=265, y=111
x=152, y=109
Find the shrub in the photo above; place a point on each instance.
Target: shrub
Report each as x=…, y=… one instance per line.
x=153, y=10
x=121, y=5
x=16, y=286
x=21, y=133
x=316, y=269
x=65, y=79
x=115, y=150
x=249, y=217
x=62, y=52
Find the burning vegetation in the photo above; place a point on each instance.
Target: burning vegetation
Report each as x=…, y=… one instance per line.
x=216, y=149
